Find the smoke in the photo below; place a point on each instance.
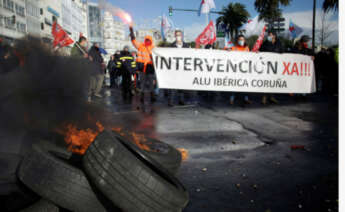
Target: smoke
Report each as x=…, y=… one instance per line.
x=115, y=11
x=46, y=92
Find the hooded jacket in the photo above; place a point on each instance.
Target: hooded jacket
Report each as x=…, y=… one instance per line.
x=144, y=52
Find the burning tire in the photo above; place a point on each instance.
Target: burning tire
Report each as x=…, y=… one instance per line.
x=164, y=154
x=130, y=179
x=42, y=206
x=58, y=181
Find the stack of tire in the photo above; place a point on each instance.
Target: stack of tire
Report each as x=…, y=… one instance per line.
x=113, y=175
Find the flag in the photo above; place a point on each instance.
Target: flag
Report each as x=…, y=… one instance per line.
x=294, y=30
x=208, y=36
x=259, y=41
x=61, y=38
x=206, y=6
x=166, y=26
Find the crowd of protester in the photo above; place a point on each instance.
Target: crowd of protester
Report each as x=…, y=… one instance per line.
x=133, y=72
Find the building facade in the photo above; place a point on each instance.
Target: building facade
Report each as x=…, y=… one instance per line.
x=50, y=11
x=114, y=34
x=33, y=24
x=12, y=19
x=94, y=21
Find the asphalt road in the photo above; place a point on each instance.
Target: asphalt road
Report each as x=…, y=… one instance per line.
x=240, y=158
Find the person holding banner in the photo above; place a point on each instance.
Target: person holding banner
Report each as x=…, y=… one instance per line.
x=179, y=43
x=272, y=44
x=242, y=46
x=145, y=65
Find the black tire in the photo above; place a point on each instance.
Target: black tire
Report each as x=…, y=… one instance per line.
x=166, y=155
x=130, y=179
x=8, y=167
x=58, y=181
x=42, y=206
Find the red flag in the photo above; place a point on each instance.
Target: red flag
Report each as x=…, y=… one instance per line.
x=259, y=41
x=208, y=36
x=61, y=38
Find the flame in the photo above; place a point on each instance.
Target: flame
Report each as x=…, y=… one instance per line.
x=79, y=140
x=184, y=153
x=138, y=139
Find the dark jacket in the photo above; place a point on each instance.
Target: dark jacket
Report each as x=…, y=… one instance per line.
x=173, y=45
x=302, y=50
x=97, y=60
x=127, y=64
x=276, y=47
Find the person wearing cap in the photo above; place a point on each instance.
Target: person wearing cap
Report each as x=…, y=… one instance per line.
x=127, y=67
x=271, y=44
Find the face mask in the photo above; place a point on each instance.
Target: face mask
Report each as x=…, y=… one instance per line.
x=241, y=42
x=179, y=38
x=269, y=38
x=148, y=43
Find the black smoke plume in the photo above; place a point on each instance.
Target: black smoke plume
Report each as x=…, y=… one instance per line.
x=47, y=91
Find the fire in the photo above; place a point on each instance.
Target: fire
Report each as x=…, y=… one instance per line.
x=184, y=153
x=138, y=139
x=79, y=140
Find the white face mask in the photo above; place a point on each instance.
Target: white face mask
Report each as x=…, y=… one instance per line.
x=179, y=38
x=241, y=42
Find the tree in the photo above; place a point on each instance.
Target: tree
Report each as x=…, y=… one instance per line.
x=325, y=29
x=330, y=5
x=269, y=9
x=233, y=16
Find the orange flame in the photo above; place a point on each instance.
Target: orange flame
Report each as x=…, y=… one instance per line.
x=184, y=153
x=79, y=140
x=138, y=139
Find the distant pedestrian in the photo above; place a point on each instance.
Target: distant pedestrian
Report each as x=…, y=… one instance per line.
x=79, y=50
x=127, y=69
x=179, y=43
x=96, y=80
x=242, y=46
x=145, y=65
x=271, y=44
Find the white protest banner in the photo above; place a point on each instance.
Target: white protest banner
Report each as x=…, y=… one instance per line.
x=219, y=70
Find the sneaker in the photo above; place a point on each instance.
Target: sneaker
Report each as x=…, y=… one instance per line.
x=274, y=100
x=98, y=95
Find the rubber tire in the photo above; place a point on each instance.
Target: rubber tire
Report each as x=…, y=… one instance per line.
x=42, y=206
x=166, y=155
x=58, y=181
x=133, y=182
x=9, y=163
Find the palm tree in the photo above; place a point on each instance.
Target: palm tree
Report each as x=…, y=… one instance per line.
x=269, y=9
x=330, y=5
x=233, y=16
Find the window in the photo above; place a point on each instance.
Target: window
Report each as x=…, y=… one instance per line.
x=1, y=20
x=42, y=26
x=8, y=4
x=9, y=23
x=21, y=27
x=20, y=10
x=41, y=11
